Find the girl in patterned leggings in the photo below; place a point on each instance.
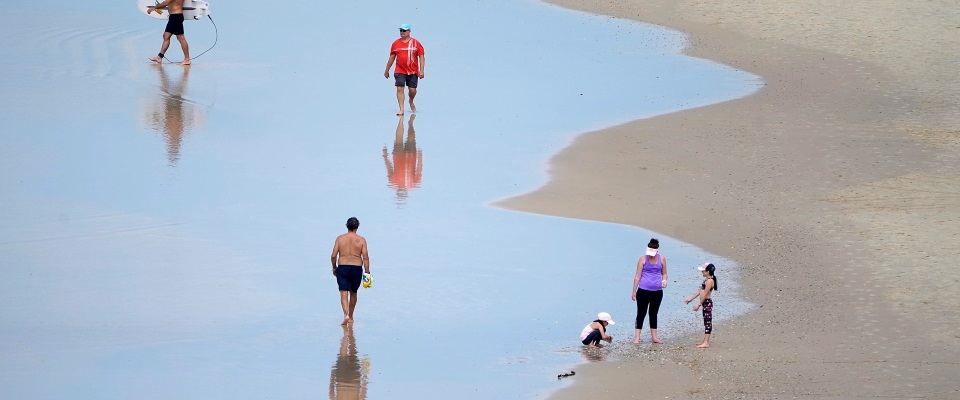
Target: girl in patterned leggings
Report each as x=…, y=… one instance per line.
x=706, y=288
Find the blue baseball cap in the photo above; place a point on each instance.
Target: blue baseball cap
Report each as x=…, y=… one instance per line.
x=405, y=27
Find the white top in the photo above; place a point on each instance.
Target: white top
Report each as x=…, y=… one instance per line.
x=586, y=331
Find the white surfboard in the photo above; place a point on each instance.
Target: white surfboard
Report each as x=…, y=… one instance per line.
x=192, y=9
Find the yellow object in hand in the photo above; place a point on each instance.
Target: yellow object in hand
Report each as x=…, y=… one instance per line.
x=367, y=281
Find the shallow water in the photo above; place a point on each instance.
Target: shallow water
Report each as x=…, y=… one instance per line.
x=166, y=230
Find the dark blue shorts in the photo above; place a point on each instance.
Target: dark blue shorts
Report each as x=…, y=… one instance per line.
x=175, y=24
x=349, y=277
x=406, y=80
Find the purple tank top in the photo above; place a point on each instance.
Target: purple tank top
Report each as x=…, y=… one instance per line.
x=650, y=276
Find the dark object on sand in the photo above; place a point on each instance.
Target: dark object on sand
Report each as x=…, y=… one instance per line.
x=566, y=375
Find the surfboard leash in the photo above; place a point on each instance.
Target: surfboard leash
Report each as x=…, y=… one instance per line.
x=216, y=36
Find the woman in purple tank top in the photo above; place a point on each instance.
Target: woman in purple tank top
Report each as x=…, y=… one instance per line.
x=648, y=285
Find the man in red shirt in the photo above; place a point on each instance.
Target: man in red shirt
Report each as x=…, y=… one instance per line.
x=408, y=53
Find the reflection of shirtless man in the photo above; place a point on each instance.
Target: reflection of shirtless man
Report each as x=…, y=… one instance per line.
x=174, y=27
x=350, y=260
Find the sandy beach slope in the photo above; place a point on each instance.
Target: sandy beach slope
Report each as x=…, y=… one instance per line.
x=836, y=187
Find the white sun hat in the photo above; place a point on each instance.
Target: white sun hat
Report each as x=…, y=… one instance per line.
x=606, y=318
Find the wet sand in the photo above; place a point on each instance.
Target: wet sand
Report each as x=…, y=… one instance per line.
x=167, y=229
x=836, y=187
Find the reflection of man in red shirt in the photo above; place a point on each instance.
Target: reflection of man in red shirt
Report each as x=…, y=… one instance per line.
x=406, y=171
x=408, y=53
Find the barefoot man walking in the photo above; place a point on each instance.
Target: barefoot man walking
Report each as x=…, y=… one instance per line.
x=350, y=260
x=174, y=27
x=408, y=53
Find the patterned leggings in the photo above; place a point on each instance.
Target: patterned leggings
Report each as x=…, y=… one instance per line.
x=707, y=316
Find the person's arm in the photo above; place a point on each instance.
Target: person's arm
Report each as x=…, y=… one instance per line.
x=386, y=162
x=334, y=254
x=663, y=272
x=365, y=257
x=386, y=71
x=423, y=63
x=159, y=7
x=636, y=280
x=603, y=332
x=689, y=299
x=708, y=286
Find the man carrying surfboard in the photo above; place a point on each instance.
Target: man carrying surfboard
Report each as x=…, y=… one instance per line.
x=174, y=27
x=408, y=53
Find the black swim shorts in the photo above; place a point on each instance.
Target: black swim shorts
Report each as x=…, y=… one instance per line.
x=175, y=24
x=349, y=277
x=406, y=80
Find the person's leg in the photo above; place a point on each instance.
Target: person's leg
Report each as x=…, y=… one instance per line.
x=398, y=137
x=400, y=97
x=413, y=93
x=656, y=297
x=706, y=341
x=353, y=304
x=345, y=304
x=163, y=48
x=345, y=283
x=643, y=300
x=707, y=323
x=411, y=133
x=412, y=81
x=186, y=49
x=593, y=339
x=355, y=277
x=400, y=81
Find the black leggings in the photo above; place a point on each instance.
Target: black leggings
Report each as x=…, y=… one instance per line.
x=648, y=298
x=707, y=316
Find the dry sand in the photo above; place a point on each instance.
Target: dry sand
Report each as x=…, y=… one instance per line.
x=836, y=187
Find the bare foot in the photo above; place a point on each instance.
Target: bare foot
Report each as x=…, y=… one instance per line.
x=636, y=341
x=347, y=320
x=657, y=341
x=157, y=60
x=400, y=113
x=413, y=107
x=703, y=345
x=185, y=62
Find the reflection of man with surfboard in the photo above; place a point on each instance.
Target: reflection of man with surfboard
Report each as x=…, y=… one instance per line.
x=408, y=53
x=174, y=27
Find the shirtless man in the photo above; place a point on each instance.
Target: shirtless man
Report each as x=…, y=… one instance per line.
x=174, y=27
x=349, y=260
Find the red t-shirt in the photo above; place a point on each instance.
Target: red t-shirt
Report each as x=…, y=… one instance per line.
x=407, y=170
x=408, y=56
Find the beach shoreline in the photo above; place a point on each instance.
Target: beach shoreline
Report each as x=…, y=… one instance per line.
x=836, y=188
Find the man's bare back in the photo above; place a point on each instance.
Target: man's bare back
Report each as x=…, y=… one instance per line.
x=351, y=249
